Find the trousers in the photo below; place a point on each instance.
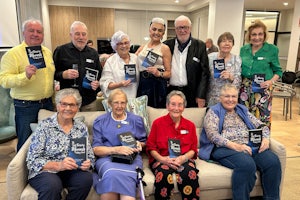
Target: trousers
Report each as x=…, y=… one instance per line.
x=244, y=172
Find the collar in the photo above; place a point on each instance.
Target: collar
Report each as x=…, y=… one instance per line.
x=182, y=46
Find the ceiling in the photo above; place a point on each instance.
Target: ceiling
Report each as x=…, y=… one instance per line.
x=170, y=5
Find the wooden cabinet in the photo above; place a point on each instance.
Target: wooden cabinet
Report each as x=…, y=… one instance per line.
x=170, y=29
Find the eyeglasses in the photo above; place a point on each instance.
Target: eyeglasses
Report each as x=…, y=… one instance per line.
x=116, y=103
x=184, y=28
x=65, y=105
x=230, y=96
x=123, y=43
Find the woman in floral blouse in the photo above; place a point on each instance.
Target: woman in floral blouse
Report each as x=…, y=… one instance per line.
x=50, y=167
x=227, y=125
x=224, y=67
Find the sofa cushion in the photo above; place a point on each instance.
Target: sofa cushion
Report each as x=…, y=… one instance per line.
x=136, y=105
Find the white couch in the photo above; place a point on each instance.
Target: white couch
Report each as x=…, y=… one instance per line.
x=214, y=179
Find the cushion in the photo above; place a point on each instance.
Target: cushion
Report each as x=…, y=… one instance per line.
x=137, y=106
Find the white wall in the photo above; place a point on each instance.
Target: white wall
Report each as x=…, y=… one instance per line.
x=136, y=23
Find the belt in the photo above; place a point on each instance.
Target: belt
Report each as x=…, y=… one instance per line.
x=37, y=101
x=180, y=88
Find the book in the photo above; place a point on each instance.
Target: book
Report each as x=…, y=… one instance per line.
x=126, y=139
x=35, y=56
x=130, y=72
x=78, y=149
x=150, y=59
x=256, y=81
x=90, y=75
x=255, y=138
x=219, y=66
x=174, y=148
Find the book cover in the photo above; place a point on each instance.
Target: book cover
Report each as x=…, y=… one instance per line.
x=78, y=149
x=130, y=72
x=126, y=139
x=174, y=148
x=35, y=56
x=219, y=66
x=90, y=75
x=255, y=138
x=257, y=80
x=150, y=59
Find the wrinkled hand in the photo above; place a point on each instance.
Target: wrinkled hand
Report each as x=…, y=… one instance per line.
x=171, y=162
x=139, y=146
x=265, y=144
x=153, y=70
x=244, y=148
x=125, y=150
x=30, y=70
x=226, y=75
x=200, y=102
x=266, y=84
x=125, y=83
x=68, y=164
x=70, y=74
x=95, y=85
x=85, y=165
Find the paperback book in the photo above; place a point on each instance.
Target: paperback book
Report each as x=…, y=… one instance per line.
x=78, y=149
x=130, y=72
x=35, y=56
x=219, y=66
x=255, y=138
x=174, y=148
x=150, y=59
x=257, y=80
x=90, y=75
x=126, y=139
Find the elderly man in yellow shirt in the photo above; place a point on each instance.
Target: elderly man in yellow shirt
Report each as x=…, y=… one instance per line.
x=31, y=85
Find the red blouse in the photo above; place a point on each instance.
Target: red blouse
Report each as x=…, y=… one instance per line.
x=163, y=128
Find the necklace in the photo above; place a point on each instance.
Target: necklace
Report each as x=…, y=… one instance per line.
x=120, y=122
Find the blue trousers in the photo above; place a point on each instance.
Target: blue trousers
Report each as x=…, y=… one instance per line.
x=244, y=167
x=26, y=112
x=50, y=185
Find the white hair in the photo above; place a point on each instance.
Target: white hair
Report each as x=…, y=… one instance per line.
x=77, y=23
x=116, y=38
x=183, y=18
x=158, y=20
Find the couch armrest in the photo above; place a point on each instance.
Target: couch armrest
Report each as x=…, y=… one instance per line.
x=17, y=173
x=280, y=151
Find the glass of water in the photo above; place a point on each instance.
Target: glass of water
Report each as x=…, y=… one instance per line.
x=75, y=67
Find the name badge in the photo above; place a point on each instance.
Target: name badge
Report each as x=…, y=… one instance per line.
x=229, y=64
x=89, y=60
x=184, y=132
x=124, y=122
x=260, y=58
x=196, y=59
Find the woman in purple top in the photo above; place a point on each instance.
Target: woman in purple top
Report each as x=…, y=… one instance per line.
x=114, y=180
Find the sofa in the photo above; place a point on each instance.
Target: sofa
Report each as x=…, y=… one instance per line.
x=214, y=179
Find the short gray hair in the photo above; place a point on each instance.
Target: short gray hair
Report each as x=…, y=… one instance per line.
x=31, y=20
x=183, y=18
x=68, y=92
x=77, y=23
x=228, y=86
x=176, y=93
x=116, y=38
x=115, y=92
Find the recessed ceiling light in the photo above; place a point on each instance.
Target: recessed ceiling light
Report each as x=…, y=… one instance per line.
x=285, y=3
x=176, y=1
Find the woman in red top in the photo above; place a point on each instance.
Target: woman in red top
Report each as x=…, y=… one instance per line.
x=172, y=147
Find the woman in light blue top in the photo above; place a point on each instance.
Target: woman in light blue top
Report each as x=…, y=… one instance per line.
x=224, y=67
